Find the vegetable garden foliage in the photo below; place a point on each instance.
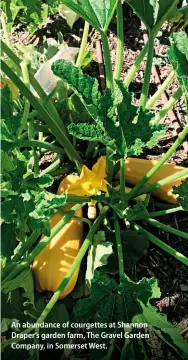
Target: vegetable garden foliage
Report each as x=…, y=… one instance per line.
x=116, y=239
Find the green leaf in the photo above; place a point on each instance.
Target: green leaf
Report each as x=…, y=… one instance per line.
x=123, y=127
x=129, y=303
x=182, y=192
x=164, y=329
x=134, y=246
x=178, y=56
x=98, y=255
x=134, y=350
x=97, y=13
x=46, y=205
x=23, y=280
x=78, y=112
x=6, y=103
x=9, y=132
x=8, y=240
x=92, y=132
x=136, y=212
x=150, y=11
x=84, y=86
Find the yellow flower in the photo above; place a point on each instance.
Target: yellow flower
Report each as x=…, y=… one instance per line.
x=90, y=182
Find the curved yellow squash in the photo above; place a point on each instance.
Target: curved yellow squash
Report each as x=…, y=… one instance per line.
x=52, y=264
x=137, y=168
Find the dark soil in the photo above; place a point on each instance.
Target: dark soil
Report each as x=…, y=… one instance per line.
x=172, y=276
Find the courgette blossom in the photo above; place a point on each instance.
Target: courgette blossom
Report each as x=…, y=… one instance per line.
x=90, y=182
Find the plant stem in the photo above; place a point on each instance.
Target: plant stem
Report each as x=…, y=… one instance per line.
x=43, y=243
x=173, y=100
x=46, y=99
x=27, y=245
x=62, y=171
x=54, y=166
x=83, y=45
x=160, y=205
x=165, y=212
x=163, y=182
x=160, y=90
x=119, y=248
x=69, y=274
x=134, y=68
x=167, y=228
x=120, y=41
x=51, y=123
x=5, y=31
x=147, y=75
x=24, y=67
x=122, y=176
x=30, y=138
x=177, y=255
x=41, y=144
x=150, y=173
x=109, y=84
x=90, y=151
x=107, y=61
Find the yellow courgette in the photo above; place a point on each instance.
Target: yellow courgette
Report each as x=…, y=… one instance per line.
x=54, y=261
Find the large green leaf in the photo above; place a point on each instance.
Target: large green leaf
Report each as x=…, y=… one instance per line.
x=125, y=128
x=150, y=11
x=129, y=303
x=178, y=55
x=97, y=13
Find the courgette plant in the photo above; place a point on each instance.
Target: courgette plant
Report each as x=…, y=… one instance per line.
x=124, y=130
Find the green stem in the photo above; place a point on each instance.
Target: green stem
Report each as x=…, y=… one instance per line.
x=24, y=67
x=163, y=182
x=147, y=75
x=54, y=166
x=107, y=61
x=119, y=248
x=27, y=245
x=167, y=228
x=120, y=41
x=134, y=68
x=161, y=205
x=173, y=100
x=31, y=137
x=150, y=173
x=51, y=123
x=91, y=149
x=83, y=45
x=41, y=144
x=165, y=212
x=5, y=31
x=69, y=274
x=109, y=84
x=177, y=255
x=46, y=100
x=43, y=243
x=62, y=171
x=161, y=90
x=111, y=16
x=122, y=176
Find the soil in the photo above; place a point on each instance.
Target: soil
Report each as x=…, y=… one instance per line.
x=172, y=276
